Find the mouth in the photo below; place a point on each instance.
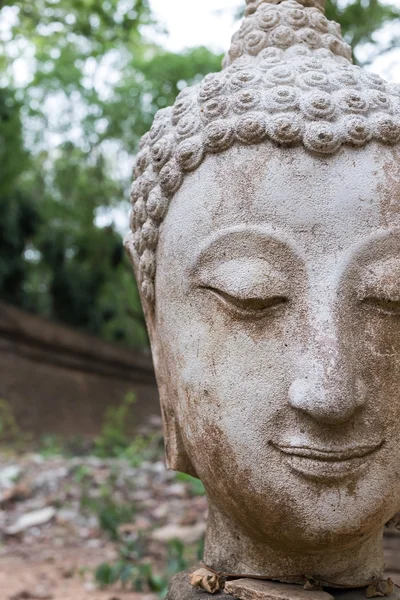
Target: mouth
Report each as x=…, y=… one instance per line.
x=327, y=464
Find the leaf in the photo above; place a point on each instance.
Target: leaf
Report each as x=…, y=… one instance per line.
x=382, y=588
x=206, y=580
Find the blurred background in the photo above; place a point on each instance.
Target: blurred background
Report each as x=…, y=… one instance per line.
x=80, y=82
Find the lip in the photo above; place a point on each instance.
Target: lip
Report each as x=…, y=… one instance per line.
x=322, y=463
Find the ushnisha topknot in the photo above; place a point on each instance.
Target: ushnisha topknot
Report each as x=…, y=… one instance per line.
x=287, y=79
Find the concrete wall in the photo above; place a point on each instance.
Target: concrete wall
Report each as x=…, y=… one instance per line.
x=60, y=381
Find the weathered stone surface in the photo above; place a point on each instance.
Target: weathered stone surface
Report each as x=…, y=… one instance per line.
x=253, y=589
x=266, y=242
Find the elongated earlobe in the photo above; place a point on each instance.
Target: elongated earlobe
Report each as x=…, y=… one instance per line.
x=177, y=458
x=176, y=455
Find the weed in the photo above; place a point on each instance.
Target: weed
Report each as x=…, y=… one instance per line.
x=10, y=432
x=51, y=445
x=114, y=438
x=196, y=486
x=114, y=441
x=144, y=447
x=109, y=513
x=139, y=576
x=81, y=473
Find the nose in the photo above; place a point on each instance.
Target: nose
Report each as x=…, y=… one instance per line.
x=330, y=392
x=326, y=402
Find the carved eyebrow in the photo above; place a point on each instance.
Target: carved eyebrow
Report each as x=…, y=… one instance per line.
x=236, y=238
x=383, y=274
x=386, y=240
x=381, y=247
x=378, y=268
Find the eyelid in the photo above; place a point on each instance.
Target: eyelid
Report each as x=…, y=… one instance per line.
x=260, y=291
x=381, y=295
x=250, y=307
x=244, y=279
x=383, y=290
x=383, y=304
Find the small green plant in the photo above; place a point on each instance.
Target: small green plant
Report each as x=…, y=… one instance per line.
x=10, y=432
x=81, y=473
x=114, y=438
x=109, y=513
x=132, y=573
x=51, y=445
x=195, y=485
x=112, y=515
x=144, y=447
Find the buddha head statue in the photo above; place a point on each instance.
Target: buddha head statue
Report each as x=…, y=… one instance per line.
x=266, y=244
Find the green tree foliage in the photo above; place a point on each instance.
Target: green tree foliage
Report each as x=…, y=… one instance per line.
x=361, y=19
x=80, y=83
x=93, y=84
x=19, y=215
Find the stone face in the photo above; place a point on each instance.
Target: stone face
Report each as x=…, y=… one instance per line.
x=253, y=589
x=265, y=308
x=268, y=256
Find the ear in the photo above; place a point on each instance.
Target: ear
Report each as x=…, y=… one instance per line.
x=177, y=458
x=176, y=455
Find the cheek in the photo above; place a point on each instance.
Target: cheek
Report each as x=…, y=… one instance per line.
x=379, y=355
x=234, y=375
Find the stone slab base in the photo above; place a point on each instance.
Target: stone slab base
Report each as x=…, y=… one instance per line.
x=180, y=589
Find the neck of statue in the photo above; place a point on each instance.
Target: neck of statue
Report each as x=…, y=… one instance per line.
x=229, y=549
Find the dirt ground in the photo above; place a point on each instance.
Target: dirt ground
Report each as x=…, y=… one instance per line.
x=61, y=575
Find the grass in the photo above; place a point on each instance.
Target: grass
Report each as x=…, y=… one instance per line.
x=140, y=576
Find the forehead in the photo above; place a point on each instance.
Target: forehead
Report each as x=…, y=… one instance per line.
x=331, y=203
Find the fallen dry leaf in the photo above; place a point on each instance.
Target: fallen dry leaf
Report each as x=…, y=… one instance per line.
x=204, y=579
x=382, y=588
x=313, y=586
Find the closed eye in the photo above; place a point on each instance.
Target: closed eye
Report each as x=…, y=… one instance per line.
x=384, y=305
x=249, y=307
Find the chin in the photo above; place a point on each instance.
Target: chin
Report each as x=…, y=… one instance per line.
x=314, y=537
x=326, y=519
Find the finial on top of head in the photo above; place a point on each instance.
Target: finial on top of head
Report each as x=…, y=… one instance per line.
x=252, y=5
x=283, y=24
